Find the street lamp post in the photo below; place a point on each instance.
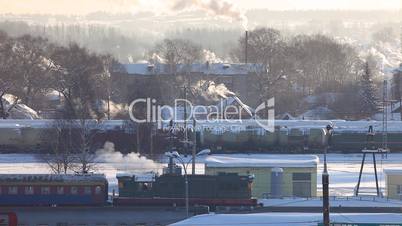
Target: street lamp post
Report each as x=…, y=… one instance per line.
x=325, y=181
x=185, y=163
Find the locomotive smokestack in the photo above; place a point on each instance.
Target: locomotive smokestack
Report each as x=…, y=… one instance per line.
x=246, y=49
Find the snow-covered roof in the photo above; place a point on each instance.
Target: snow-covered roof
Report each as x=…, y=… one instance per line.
x=261, y=160
x=19, y=111
x=207, y=69
x=398, y=69
x=393, y=172
x=318, y=113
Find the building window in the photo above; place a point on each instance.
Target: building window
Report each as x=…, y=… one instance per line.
x=301, y=176
x=87, y=190
x=45, y=190
x=301, y=184
x=13, y=190
x=60, y=190
x=29, y=190
x=74, y=190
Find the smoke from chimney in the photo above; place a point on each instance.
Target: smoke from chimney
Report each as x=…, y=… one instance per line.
x=219, y=8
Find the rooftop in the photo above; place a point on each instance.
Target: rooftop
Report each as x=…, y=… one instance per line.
x=206, y=68
x=261, y=160
x=393, y=171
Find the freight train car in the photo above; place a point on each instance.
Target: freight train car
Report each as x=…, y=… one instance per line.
x=257, y=139
x=169, y=190
x=53, y=190
x=33, y=135
x=296, y=136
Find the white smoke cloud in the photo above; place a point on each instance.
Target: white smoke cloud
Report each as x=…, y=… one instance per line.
x=130, y=162
x=211, y=91
x=210, y=56
x=218, y=8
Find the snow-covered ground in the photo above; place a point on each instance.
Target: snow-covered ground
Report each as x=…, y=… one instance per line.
x=343, y=169
x=344, y=172
x=347, y=201
x=294, y=219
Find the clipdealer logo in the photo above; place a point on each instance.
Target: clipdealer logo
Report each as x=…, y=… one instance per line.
x=183, y=110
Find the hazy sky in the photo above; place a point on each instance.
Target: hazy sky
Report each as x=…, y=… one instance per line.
x=87, y=6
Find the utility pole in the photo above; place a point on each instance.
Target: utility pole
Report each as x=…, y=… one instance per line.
x=325, y=191
x=325, y=182
x=185, y=116
x=194, y=148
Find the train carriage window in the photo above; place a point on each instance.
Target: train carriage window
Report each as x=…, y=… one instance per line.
x=12, y=190
x=45, y=190
x=87, y=190
x=98, y=190
x=29, y=190
x=74, y=190
x=60, y=190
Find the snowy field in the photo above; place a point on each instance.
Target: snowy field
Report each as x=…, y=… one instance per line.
x=344, y=172
x=345, y=201
x=294, y=219
x=343, y=169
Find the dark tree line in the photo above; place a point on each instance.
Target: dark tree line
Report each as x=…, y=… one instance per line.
x=296, y=67
x=31, y=66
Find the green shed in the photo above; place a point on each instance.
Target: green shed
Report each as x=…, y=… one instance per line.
x=292, y=175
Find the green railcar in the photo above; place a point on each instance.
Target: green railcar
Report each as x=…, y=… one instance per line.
x=221, y=186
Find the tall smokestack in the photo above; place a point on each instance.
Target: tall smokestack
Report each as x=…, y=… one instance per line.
x=246, y=49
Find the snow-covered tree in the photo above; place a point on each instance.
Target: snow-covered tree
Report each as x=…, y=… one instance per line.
x=369, y=103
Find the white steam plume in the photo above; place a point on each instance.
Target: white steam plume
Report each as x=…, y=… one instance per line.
x=131, y=161
x=214, y=7
x=210, y=56
x=211, y=91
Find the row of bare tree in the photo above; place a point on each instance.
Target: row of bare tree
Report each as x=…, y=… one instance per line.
x=291, y=69
x=31, y=67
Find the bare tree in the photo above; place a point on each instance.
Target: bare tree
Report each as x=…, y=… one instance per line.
x=60, y=140
x=178, y=51
x=33, y=65
x=323, y=64
x=269, y=51
x=85, y=146
x=23, y=70
x=79, y=77
x=10, y=80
